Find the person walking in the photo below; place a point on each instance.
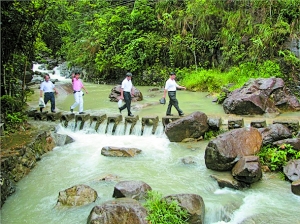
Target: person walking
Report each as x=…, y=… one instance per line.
x=78, y=94
x=126, y=93
x=171, y=87
x=48, y=87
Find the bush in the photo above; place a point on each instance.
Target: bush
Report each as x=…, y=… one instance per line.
x=162, y=212
x=277, y=157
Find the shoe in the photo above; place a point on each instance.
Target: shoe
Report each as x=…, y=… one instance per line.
x=53, y=111
x=71, y=110
x=169, y=114
x=181, y=114
x=81, y=112
x=130, y=115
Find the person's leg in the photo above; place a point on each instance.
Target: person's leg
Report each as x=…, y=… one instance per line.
x=52, y=100
x=80, y=102
x=175, y=103
x=76, y=97
x=127, y=98
x=46, y=99
x=170, y=103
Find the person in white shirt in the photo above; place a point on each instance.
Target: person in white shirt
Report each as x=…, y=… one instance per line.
x=126, y=92
x=49, y=89
x=171, y=87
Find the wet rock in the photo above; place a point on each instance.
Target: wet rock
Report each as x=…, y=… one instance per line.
x=7, y=187
x=76, y=196
x=225, y=150
x=131, y=189
x=115, y=94
x=247, y=170
x=274, y=132
x=121, y=210
x=292, y=170
x=225, y=179
x=214, y=123
x=189, y=160
x=194, y=205
x=294, y=142
x=61, y=139
x=261, y=96
x=295, y=187
x=119, y=151
x=190, y=126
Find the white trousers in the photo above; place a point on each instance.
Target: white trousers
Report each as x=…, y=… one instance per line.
x=78, y=101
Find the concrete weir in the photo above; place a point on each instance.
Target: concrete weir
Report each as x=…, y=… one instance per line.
x=112, y=121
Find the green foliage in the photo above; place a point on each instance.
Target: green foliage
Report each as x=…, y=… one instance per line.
x=10, y=105
x=214, y=80
x=212, y=134
x=13, y=121
x=277, y=157
x=162, y=212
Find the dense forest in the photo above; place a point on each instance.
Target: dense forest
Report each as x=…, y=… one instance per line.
x=209, y=43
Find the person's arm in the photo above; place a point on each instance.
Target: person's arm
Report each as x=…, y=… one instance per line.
x=122, y=97
x=85, y=89
x=55, y=90
x=181, y=87
x=165, y=93
x=82, y=86
x=41, y=89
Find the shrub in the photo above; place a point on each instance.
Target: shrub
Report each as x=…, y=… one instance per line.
x=277, y=157
x=162, y=212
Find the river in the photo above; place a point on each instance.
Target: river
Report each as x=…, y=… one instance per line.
x=267, y=201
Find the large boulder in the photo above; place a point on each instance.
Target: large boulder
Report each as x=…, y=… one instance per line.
x=76, y=196
x=261, y=96
x=115, y=94
x=292, y=170
x=121, y=210
x=225, y=150
x=131, y=189
x=192, y=203
x=274, y=132
x=190, y=126
x=247, y=170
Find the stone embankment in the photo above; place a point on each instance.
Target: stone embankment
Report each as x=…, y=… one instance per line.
x=17, y=161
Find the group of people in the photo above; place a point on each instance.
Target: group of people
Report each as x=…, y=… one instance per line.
x=49, y=89
x=127, y=91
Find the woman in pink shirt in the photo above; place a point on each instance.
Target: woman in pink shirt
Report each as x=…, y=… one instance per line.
x=78, y=94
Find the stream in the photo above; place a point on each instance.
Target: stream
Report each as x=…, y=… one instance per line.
x=268, y=201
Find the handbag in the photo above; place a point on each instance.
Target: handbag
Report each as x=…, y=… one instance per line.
x=162, y=100
x=41, y=102
x=120, y=102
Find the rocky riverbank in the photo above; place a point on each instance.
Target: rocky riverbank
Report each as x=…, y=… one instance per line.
x=20, y=152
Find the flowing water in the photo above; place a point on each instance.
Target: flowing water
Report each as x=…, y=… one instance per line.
x=268, y=201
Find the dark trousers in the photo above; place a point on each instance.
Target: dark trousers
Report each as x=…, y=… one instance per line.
x=173, y=102
x=127, y=98
x=51, y=97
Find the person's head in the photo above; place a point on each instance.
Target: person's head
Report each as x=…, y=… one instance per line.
x=47, y=78
x=77, y=75
x=128, y=75
x=172, y=75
